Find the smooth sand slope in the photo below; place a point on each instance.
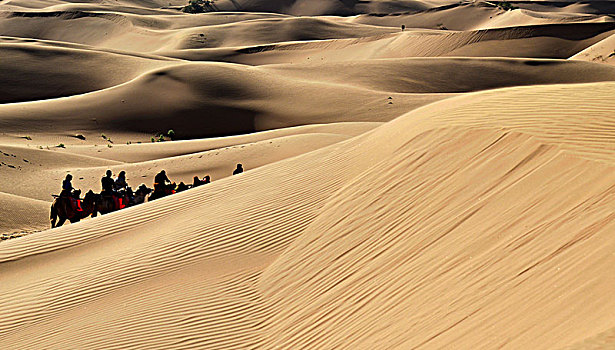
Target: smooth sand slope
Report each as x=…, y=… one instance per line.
x=451, y=185
x=386, y=240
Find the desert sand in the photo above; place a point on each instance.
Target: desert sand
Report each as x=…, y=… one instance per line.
x=448, y=185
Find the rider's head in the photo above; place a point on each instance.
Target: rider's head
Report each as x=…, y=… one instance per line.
x=122, y=173
x=239, y=165
x=69, y=177
x=109, y=173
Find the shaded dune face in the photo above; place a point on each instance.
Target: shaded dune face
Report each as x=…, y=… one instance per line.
x=448, y=185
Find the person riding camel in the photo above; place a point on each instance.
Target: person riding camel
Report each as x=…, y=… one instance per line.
x=67, y=187
x=161, y=181
x=182, y=187
x=107, y=183
x=120, y=186
x=67, y=192
x=120, y=182
x=196, y=182
x=238, y=170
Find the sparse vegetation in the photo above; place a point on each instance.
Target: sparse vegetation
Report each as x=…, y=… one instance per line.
x=106, y=138
x=27, y=138
x=109, y=145
x=60, y=145
x=80, y=137
x=161, y=136
x=171, y=134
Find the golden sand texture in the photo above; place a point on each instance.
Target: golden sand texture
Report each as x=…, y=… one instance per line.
x=451, y=185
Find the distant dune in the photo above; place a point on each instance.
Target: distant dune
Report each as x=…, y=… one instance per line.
x=419, y=174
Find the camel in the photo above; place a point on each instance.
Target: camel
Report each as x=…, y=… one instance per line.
x=140, y=195
x=162, y=191
x=61, y=208
x=107, y=203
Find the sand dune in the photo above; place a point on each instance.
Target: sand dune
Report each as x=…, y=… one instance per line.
x=450, y=185
x=205, y=99
x=213, y=99
x=357, y=275
x=150, y=151
x=601, y=52
x=141, y=33
x=22, y=214
x=546, y=41
x=448, y=75
x=26, y=77
x=474, y=16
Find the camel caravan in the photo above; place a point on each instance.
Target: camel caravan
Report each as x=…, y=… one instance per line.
x=115, y=195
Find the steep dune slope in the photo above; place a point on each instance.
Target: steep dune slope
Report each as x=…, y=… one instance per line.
x=428, y=270
x=418, y=233
x=601, y=52
x=445, y=248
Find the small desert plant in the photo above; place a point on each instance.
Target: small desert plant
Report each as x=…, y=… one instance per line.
x=153, y=139
x=161, y=138
x=80, y=137
x=103, y=136
x=171, y=134
x=27, y=138
x=109, y=145
x=60, y=145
